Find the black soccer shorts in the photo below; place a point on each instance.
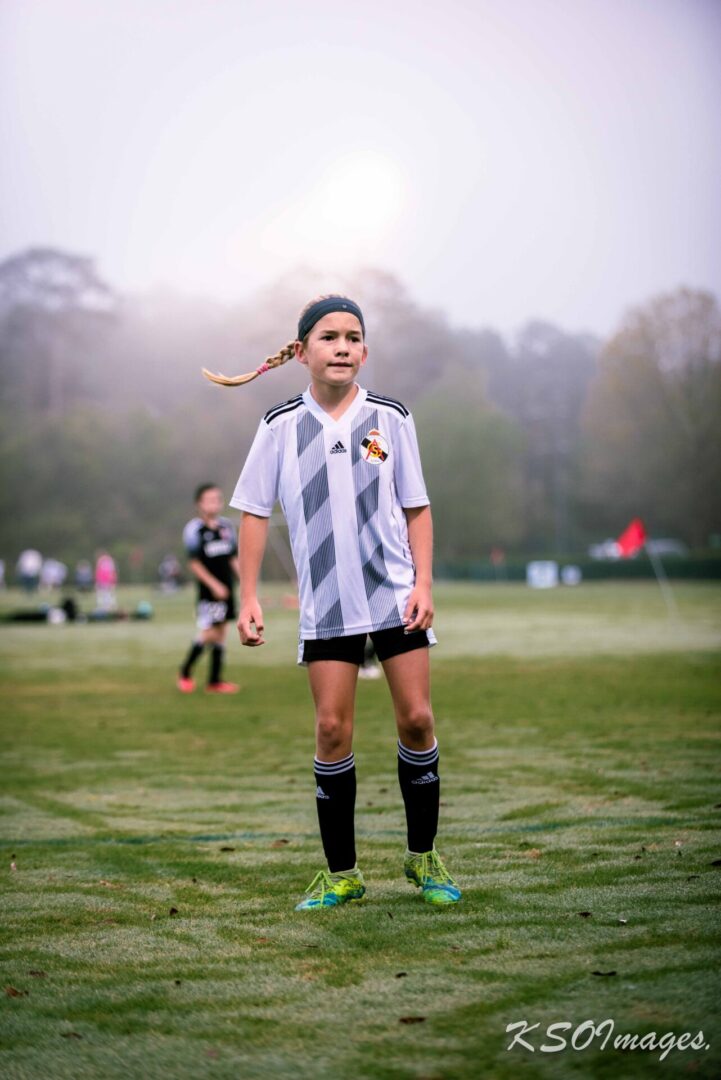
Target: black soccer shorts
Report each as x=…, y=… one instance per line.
x=351, y=648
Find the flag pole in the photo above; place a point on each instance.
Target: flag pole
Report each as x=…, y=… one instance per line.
x=663, y=583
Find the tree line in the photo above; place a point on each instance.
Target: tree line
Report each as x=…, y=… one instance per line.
x=534, y=446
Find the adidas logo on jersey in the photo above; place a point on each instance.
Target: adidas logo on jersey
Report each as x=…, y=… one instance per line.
x=339, y=448
x=427, y=778
x=320, y=794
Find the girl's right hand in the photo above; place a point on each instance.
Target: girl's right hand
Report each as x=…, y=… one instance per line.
x=250, y=624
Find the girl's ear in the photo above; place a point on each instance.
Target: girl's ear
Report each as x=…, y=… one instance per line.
x=300, y=353
x=365, y=355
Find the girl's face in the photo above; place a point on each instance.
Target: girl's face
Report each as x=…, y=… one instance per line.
x=335, y=351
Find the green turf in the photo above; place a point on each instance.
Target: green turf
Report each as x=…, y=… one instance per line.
x=579, y=736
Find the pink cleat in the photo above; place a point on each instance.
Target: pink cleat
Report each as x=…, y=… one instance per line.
x=186, y=686
x=222, y=688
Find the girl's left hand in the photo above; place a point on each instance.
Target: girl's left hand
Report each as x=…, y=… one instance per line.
x=418, y=614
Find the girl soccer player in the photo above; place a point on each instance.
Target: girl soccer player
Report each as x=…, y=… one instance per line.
x=344, y=464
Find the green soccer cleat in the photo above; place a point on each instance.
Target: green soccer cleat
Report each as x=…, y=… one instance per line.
x=429, y=874
x=329, y=890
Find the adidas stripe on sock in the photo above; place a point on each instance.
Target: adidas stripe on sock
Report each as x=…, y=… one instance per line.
x=420, y=786
x=335, y=801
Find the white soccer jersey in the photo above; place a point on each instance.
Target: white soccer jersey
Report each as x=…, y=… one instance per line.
x=342, y=485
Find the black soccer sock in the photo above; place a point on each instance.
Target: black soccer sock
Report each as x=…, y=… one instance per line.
x=335, y=800
x=195, y=650
x=216, y=662
x=421, y=789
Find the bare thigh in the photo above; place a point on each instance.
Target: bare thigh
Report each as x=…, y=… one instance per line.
x=409, y=681
x=333, y=686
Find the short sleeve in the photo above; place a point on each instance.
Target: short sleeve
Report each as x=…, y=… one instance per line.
x=407, y=470
x=257, y=489
x=191, y=537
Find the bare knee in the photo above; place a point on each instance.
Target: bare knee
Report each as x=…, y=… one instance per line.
x=333, y=735
x=415, y=728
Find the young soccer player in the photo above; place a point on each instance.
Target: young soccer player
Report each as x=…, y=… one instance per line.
x=344, y=463
x=211, y=542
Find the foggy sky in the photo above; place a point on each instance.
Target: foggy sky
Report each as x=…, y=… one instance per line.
x=507, y=159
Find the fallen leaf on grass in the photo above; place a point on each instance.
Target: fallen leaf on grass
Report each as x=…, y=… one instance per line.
x=12, y=991
x=71, y=1035
x=532, y=853
x=411, y=1019
x=389, y=914
x=173, y=911
x=178, y=982
x=227, y=848
x=401, y=974
x=280, y=843
x=692, y=877
x=585, y=914
x=263, y=939
x=604, y=973
x=38, y=974
x=716, y=862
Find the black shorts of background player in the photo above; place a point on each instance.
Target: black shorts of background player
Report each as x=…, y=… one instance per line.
x=212, y=546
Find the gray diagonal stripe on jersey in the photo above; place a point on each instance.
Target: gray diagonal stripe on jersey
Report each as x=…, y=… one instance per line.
x=315, y=493
x=367, y=500
x=379, y=591
x=322, y=561
x=374, y=571
x=319, y=526
x=307, y=431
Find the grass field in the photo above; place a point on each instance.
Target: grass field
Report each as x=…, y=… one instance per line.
x=153, y=847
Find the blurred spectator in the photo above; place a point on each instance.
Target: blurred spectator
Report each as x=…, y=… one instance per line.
x=106, y=578
x=53, y=574
x=28, y=569
x=169, y=573
x=83, y=575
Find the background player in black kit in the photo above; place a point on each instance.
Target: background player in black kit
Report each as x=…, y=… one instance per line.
x=212, y=544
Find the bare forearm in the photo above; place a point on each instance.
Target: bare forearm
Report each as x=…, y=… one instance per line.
x=203, y=574
x=252, y=538
x=420, y=538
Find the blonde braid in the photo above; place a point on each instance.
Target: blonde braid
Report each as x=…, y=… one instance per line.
x=280, y=357
x=270, y=362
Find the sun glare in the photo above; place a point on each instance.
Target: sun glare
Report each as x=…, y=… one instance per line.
x=347, y=213
x=362, y=188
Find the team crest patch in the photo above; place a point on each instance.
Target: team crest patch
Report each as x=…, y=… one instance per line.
x=374, y=447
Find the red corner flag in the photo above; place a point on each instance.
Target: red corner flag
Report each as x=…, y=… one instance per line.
x=632, y=539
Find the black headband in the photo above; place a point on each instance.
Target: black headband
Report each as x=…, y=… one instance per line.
x=324, y=307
